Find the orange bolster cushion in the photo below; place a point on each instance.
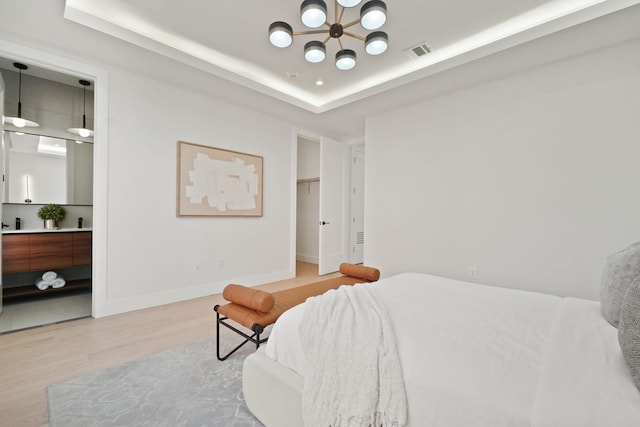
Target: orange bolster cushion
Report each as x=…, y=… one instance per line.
x=369, y=274
x=249, y=297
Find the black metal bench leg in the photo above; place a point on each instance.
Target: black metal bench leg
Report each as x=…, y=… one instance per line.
x=255, y=338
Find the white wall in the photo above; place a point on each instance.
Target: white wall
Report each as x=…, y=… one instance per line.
x=308, y=158
x=532, y=179
x=150, y=250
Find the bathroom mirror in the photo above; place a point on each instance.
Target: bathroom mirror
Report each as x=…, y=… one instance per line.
x=40, y=169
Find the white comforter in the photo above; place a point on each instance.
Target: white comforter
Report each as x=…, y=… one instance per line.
x=475, y=355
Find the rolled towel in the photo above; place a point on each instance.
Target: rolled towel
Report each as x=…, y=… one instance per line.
x=58, y=282
x=42, y=284
x=49, y=276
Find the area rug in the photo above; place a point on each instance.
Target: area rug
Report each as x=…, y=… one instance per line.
x=183, y=386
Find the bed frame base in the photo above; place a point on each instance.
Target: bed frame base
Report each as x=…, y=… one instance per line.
x=272, y=392
x=254, y=338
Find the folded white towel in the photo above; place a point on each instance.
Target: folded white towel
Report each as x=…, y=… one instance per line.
x=49, y=276
x=42, y=284
x=58, y=282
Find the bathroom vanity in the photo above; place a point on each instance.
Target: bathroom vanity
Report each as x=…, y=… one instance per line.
x=33, y=252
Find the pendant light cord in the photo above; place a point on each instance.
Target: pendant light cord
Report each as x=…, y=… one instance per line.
x=20, y=94
x=84, y=106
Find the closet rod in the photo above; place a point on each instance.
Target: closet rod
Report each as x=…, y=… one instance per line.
x=302, y=181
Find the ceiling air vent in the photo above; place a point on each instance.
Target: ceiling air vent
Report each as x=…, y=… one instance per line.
x=418, y=50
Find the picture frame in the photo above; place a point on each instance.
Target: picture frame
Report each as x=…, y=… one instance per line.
x=214, y=181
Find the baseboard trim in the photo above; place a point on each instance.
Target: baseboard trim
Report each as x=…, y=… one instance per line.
x=139, y=302
x=307, y=258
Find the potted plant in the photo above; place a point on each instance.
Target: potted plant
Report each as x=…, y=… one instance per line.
x=52, y=214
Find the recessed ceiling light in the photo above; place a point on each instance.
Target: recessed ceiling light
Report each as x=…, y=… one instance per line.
x=319, y=82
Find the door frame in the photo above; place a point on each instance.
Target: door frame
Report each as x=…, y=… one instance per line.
x=295, y=134
x=42, y=59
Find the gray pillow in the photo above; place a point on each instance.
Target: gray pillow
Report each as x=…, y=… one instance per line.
x=629, y=330
x=618, y=273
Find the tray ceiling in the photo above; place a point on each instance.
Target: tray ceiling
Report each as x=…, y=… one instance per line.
x=231, y=39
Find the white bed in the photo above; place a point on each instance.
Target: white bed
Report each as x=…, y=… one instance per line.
x=473, y=355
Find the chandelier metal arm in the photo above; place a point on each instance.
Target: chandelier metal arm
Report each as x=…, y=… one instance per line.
x=326, y=40
x=302, y=33
x=340, y=43
x=351, y=24
x=355, y=36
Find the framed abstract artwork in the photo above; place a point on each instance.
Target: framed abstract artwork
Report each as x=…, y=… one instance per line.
x=217, y=182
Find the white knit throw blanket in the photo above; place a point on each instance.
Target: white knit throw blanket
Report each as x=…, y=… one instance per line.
x=353, y=375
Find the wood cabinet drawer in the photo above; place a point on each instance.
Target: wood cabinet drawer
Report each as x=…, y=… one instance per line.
x=15, y=253
x=50, y=250
x=82, y=248
x=45, y=251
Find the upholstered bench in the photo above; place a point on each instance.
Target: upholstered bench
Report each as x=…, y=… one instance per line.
x=255, y=309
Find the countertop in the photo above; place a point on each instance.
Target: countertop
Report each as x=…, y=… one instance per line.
x=42, y=230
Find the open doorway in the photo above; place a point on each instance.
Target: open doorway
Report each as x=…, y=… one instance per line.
x=329, y=202
x=32, y=157
x=308, y=201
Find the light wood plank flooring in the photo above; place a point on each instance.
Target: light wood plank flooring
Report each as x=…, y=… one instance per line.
x=34, y=358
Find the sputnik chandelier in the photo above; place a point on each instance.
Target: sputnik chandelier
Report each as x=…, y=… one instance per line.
x=313, y=14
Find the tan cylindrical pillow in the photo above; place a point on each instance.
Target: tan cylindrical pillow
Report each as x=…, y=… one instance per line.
x=248, y=297
x=369, y=274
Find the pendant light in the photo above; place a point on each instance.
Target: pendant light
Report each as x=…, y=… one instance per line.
x=313, y=13
x=83, y=131
x=19, y=122
x=376, y=43
x=373, y=14
x=349, y=3
x=345, y=59
x=314, y=51
x=280, y=34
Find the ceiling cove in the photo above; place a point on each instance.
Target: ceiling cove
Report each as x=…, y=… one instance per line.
x=235, y=45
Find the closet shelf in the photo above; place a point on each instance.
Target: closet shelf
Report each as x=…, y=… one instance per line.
x=305, y=180
x=33, y=291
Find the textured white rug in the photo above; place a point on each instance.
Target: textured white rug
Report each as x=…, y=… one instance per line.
x=183, y=386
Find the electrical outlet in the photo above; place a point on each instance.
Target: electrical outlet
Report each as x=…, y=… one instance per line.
x=473, y=272
x=220, y=262
x=196, y=266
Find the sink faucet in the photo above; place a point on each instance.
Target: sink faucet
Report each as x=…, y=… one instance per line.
x=5, y=225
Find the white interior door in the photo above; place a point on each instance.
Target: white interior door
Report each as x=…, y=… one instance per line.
x=334, y=205
x=356, y=219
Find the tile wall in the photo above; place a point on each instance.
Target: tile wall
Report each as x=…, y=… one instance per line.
x=29, y=220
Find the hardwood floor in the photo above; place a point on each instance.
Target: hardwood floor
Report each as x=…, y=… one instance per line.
x=32, y=359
